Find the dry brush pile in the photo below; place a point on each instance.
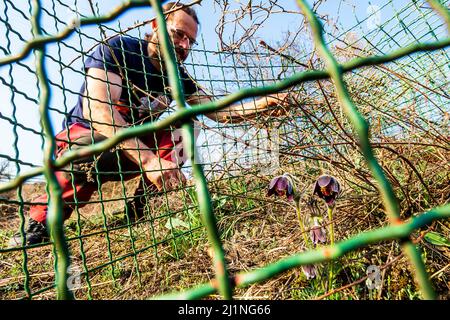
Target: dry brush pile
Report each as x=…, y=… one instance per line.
x=167, y=249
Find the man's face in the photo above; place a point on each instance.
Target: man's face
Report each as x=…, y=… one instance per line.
x=182, y=29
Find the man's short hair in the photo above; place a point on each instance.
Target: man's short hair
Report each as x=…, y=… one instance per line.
x=175, y=5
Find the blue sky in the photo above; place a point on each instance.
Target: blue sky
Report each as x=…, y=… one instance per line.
x=29, y=145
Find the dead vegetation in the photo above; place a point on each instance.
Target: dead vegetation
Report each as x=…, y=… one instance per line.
x=167, y=250
x=256, y=231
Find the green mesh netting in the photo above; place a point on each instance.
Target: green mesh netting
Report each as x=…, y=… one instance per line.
x=370, y=96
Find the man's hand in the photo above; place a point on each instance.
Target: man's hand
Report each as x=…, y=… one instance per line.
x=160, y=104
x=164, y=174
x=276, y=105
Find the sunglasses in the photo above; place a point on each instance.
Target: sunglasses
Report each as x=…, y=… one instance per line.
x=179, y=35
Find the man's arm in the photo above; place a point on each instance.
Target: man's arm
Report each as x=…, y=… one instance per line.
x=108, y=121
x=243, y=111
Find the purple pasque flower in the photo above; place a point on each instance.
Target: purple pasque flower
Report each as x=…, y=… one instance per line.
x=309, y=271
x=327, y=188
x=317, y=233
x=280, y=186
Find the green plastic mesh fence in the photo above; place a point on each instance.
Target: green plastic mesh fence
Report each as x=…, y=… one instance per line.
x=363, y=96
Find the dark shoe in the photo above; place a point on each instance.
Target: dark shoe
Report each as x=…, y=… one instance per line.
x=134, y=210
x=35, y=233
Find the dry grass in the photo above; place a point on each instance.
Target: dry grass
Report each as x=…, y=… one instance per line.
x=150, y=257
x=255, y=232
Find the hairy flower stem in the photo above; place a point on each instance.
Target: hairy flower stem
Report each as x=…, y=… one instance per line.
x=330, y=272
x=300, y=221
x=330, y=218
